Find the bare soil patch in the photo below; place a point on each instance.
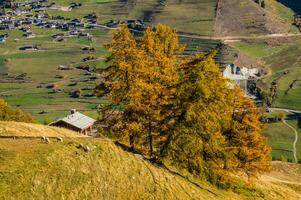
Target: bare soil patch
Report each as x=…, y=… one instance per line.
x=245, y=17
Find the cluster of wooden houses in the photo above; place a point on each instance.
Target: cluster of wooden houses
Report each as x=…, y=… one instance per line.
x=22, y=17
x=33, y=12
x=44, y=21
x=133, y=24
x=21, y=13
x=32, y=5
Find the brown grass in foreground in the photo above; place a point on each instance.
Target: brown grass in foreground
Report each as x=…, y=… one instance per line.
x=20, y=129
x=31, y=169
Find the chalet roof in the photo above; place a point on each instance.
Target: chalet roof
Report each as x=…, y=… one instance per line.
x=77, y=120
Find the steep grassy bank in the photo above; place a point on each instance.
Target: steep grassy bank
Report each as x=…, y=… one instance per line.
x=32, y=169
x=20, y=129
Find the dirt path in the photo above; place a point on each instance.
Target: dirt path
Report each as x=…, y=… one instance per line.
x=226, y=38
x=296, y=140
x=269, y=178
x=291, y=127
x=238, y=38
x=285, y=109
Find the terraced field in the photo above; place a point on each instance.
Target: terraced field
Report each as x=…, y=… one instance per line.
x=281, y=137
x=192, y=16
x=41, y=67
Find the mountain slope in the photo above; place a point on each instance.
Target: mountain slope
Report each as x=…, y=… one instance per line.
x=32, y=169
x=194, y=16
x=188, y=15
x=20, y=129
x=245, y=17
x=203, y=17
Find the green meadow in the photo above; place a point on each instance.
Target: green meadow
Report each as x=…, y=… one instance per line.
x=281, y=138
x=41, y=67
x=194, y=16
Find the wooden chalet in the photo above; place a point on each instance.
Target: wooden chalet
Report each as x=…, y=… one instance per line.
x=76, y=122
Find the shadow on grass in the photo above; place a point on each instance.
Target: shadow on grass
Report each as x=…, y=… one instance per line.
x=295, y=116
x=158, y=163
x=299, y=120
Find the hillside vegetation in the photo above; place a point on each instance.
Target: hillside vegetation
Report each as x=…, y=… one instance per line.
x=195, y=138
x=32, y=169
x=282, y=58
x=7, y=113
x=40, y=68
x=20, y=129
x=194, y=16
x=235, y=17
x=245, y=17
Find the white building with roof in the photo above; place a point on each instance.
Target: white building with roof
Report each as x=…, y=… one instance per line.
x=240, y=75
x=76, y=122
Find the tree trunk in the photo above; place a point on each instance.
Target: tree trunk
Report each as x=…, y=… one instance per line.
x=166, y=144
x=150, y=139
x=131, y=140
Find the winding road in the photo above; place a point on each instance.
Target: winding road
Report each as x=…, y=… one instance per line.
x=296, y=140
x=226, y=38
x=238, y=38
x=291, y=127
x=284, y=109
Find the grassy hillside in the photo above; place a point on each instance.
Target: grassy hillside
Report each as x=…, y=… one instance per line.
x=280, y=56
x=32, y=95
x=194, y=16
x=31, y=169
x=245, y=17
x=281, y=137
x=20, y=129
x=41, y=68
x=191, y=16
x=61, y=170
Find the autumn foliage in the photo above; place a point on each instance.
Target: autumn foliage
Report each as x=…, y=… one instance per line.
x=7, y=113
x=180, y=110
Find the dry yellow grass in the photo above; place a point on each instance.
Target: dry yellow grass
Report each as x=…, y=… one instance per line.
x=32, y=169
x=284, y=181
x=20, y=129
